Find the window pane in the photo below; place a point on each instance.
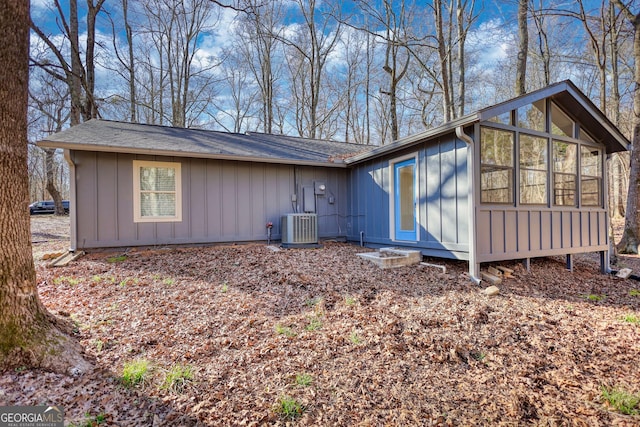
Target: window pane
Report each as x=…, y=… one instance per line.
x=565, y=157
x=496, y=147
x=496, y=184
x=504, y=118
x=561, y=124
x=533, y=187
x=497, y=163
x=407, y=196
x=564, y=189
x=533, y=152
x=590, y=161
x=532, y=116
x=590, y=195
x=158, y=204
x=157, y=179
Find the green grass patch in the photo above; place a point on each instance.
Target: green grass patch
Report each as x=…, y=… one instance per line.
x=289, y=408
x=621, y=400
x=168, y=281
x=178, y=378
x=349, y=300
x=632, y=318
x=224, y=288
x=634, y=293
x=313, y=301
x=62, y=279
x=91, y=421
x=285, y=330
x=304, y=380
x=135, y=372
x=355, y=338
x=314, y=324
x=118, y=258
x=594, y=297
x=96, y=278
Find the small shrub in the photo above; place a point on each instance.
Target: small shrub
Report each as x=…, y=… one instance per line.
x=135, y=372
x=118, y=258
x=634, y=293
x=289, y=408
x=304, y=380
x=621, y=400
x=478, y=355
x=178, y=377
x=314, y=324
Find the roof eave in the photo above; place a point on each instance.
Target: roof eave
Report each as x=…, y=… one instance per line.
x=170, y=153
x=413, y=139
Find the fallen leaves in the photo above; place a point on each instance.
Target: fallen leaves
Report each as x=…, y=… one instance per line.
x=384, y=347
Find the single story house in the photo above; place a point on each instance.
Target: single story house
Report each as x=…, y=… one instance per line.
x=521, y=179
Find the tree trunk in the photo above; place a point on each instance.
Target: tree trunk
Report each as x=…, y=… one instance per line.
x=28, y=335
x=630, y=236
x=523, y=47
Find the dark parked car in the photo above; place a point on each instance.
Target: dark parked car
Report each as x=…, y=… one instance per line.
x=46, y=207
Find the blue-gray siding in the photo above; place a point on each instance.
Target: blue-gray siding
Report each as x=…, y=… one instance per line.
x=443, y=188
x=222, y=200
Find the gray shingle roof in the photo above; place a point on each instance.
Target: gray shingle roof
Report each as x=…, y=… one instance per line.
x=111, y=136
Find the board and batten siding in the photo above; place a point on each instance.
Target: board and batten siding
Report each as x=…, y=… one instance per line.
x=443, y=188
x=222, y=200
x=514, y=233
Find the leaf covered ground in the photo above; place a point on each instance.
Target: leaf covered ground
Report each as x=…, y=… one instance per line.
x=322, y=337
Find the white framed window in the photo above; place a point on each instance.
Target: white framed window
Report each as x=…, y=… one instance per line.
x=157, y=191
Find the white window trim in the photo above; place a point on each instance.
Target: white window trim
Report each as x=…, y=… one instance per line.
x=392, y=192
x=137, y=165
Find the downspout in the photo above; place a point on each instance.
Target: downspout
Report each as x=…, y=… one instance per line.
x=474, y=267
x=73, y=206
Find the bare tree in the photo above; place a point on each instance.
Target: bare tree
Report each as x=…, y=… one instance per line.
x=79, y=77
x=261, y=28
x=49, y=103
x=28, y=333
x=631, y=234
x=175, y=28
x=308, y=51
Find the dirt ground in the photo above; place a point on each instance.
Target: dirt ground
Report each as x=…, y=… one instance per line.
x=349, y=343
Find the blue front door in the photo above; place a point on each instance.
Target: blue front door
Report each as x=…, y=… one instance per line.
x=405, y=200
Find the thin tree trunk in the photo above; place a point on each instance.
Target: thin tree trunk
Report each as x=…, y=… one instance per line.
x=523, y=48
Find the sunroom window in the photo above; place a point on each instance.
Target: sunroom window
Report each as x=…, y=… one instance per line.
x=565, y=159
x=590, y=176
x=496, y=169
x=561, y=124
x=156, y=189
x=533, y=116
x=533, y=169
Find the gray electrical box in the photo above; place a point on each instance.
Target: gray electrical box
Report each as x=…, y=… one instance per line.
x=308, y=199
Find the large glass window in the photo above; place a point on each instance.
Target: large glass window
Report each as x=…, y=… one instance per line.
x=533, y=169
x=590, y=176
x=156, y=189
x=533, y=116
x=561, y=124
x=565, y=160
x=497, y=164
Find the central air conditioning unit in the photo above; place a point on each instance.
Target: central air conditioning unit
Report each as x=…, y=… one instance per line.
x=299, y=229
